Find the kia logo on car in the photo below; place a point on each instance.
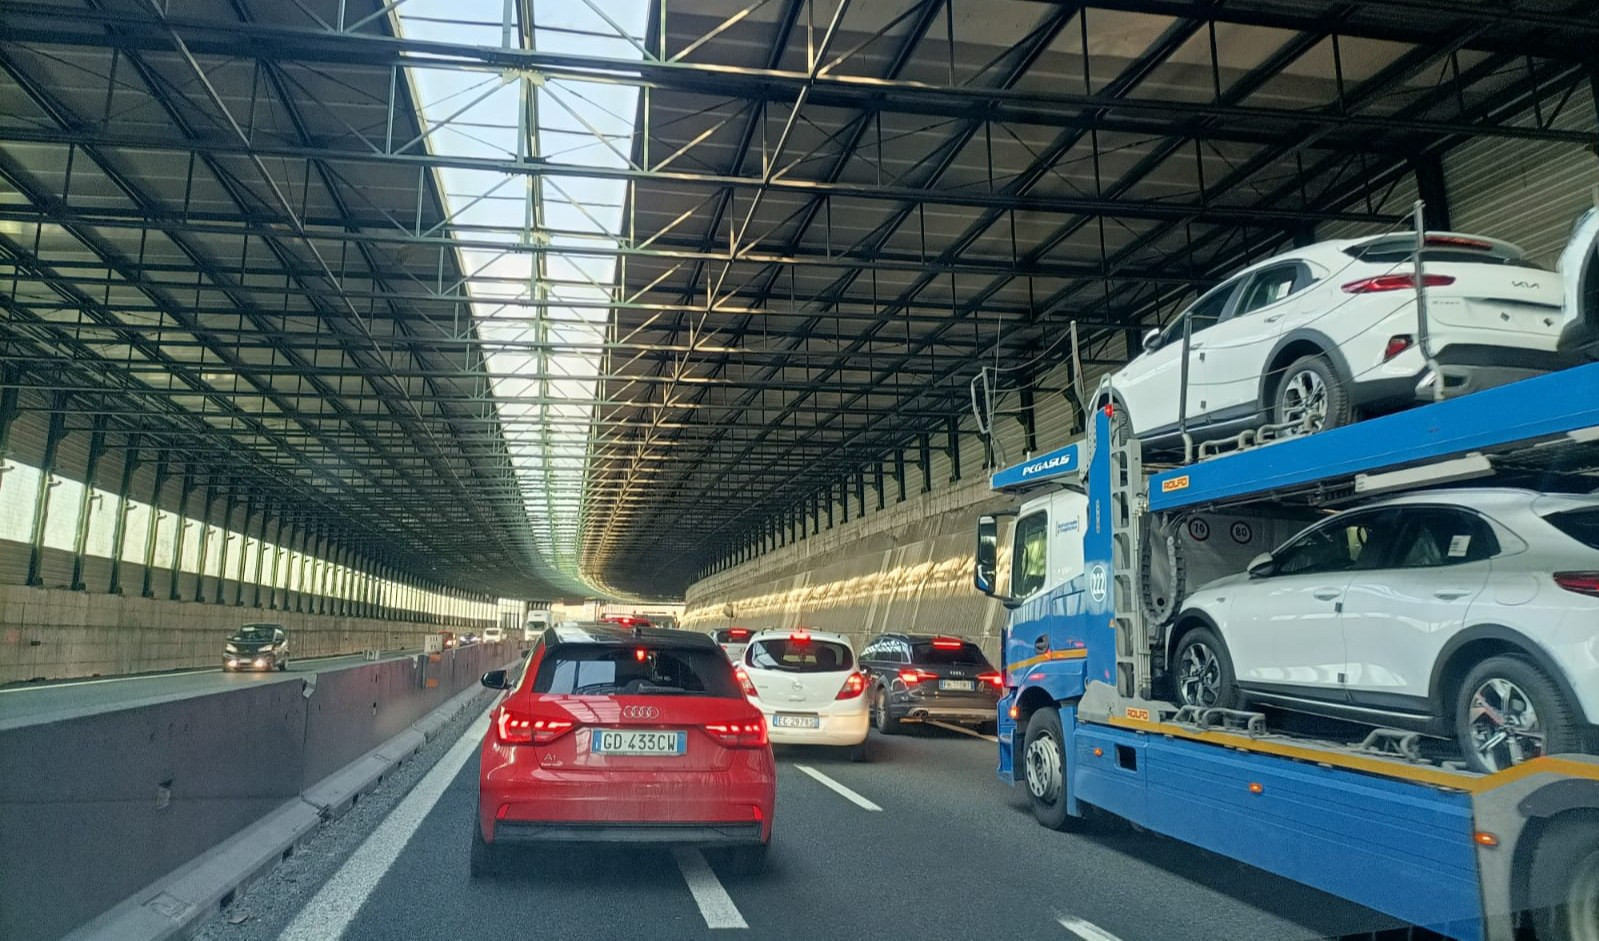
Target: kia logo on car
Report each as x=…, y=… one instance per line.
x=1525, y=284
x=640, y=712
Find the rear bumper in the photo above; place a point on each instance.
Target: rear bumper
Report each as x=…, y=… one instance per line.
x=849, y=728
x=696, y=834
x=959, y=708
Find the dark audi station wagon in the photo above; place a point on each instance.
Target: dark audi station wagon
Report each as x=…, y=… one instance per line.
x=925, y=677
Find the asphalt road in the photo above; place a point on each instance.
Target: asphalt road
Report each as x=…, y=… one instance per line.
x=949, y=852
x=38, y=701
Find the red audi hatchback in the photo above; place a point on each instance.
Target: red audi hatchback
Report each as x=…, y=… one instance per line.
x=624, y=735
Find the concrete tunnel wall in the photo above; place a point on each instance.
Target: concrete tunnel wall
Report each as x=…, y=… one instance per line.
x=96, y=807
x=904, y=569
x=51, y=633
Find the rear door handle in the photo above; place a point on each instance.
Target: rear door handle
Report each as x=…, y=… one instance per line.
x=1450, y=594
x=1326, y=594
x=1274, y=318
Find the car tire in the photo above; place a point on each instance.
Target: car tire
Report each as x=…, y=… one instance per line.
x=748, y=860
x=1563, y=881
x=1514, y=686
x=1202, y=672
x=283, y=665
x=485, y=859
x=1044, y=769
x=1313, y=378
x=885, y=722
x=861, y=752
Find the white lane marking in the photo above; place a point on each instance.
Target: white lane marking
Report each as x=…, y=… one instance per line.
x=849, y=795
x=716, y=906
x=1086, y=930
x=331, y=910
x=962, y=729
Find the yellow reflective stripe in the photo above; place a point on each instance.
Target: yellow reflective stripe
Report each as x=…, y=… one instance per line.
x=1436, y=777
x=1076, y=653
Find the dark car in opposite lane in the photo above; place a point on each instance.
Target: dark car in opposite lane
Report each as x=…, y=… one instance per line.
x=256, y=647
x=928, y=677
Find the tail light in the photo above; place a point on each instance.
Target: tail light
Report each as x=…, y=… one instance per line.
x=996, y=678
x=854, y=685
x=739, y=734
x=801, y=636
x=946, y=643
x=1583, y=583
x=1456, y=241
x=911, y=677
x=514, y=728
x=744, y=681
x=1396, y=282
x=738, y=633
x=1397, y=344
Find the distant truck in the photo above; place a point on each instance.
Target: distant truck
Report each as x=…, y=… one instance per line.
x=538, y=620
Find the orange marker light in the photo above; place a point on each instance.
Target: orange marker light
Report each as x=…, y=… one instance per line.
x=1484, y=838
x=1013, y=712
x=1256, y=788
x=1099, y=752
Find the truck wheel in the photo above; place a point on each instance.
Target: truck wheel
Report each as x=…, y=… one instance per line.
x=1311, y=391
x=485, y=861
x=1044, y=761
x=1563, y=886
x=886, y=724
x=1203, y=672
x=1507, y=712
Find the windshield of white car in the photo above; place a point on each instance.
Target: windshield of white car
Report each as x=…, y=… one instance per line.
x=800, y=656
x=608, y=670
x=1581, y=525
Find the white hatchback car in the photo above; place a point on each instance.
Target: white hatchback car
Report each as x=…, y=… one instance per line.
x=1470, y=613
x=808, y=687
x=1320, y=334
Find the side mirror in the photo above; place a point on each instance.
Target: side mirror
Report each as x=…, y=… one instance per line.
x=1262, y=565
x=495, y=679
x=1152, y=340
x=987, y=554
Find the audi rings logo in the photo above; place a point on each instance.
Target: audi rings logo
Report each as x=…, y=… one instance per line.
x=640, y=712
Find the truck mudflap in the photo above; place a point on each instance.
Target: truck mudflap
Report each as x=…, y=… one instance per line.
x=1579, y=275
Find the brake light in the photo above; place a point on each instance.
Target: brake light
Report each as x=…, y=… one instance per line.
x=1396, y=282
x=947, y=643
x=639, y=653
x=738, y=734
x=801, y=636
x=995, y=678
x=1583, y=583
x=854, y=685
x=1456, y=241
x=744, y=681
x=911, y=677
x=738, y=632
x=1397, y=344
x=516, y=729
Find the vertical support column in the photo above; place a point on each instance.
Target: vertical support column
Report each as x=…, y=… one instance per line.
x=152, y=533
x=9, y=406
x=180, y=534
x=202, y=555
x=41, y=506
x=924, y=458
x=277, y=560
x=227, y=537
x=260, y=556
x=952, y=434
x=1028, y=420
x=899, y=473
x=80, y=541
x=130, y=463
x=244, y=551
x=1430, y=187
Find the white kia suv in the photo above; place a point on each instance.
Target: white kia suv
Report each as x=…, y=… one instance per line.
x=1318, y=335
x=808, y=686
x=1470, y=613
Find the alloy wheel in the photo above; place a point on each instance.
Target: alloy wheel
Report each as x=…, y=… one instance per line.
x=1505, y=729
x=1304, y=400
x=1199, y=676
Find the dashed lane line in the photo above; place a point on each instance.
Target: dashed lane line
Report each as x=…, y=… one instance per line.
x=847, y=794
x=330, y=911
x=716, y=906
x=963, y=730
x=1086, y=930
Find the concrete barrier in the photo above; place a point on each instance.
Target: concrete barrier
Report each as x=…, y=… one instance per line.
x=93, y=809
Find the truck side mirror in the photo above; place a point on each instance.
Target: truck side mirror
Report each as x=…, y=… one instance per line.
x=1152, y=340
x=1262, y=565
x=987, y=554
